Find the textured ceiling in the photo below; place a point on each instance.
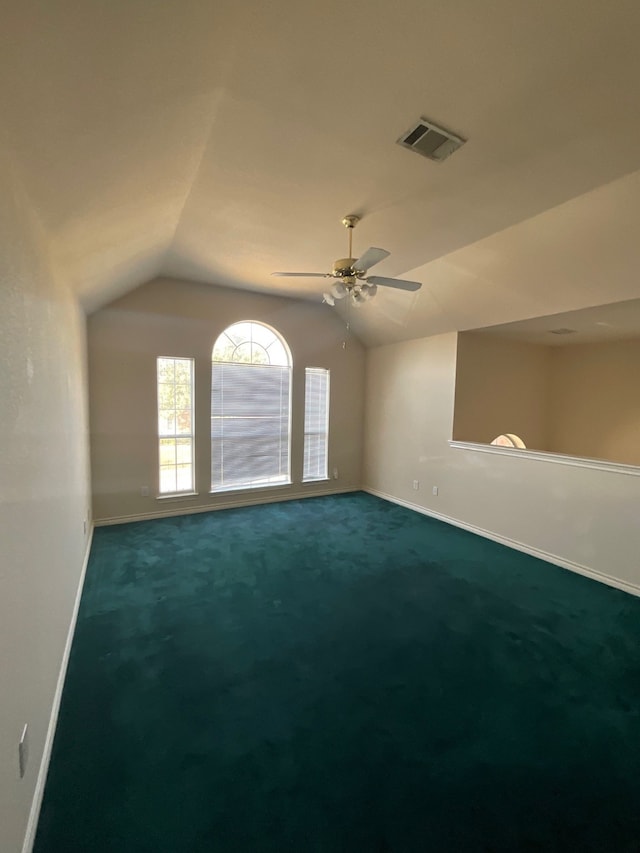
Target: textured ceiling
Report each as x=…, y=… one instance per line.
x=220, y=141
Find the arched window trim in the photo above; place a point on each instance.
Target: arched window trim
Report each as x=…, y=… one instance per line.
x=277, y=339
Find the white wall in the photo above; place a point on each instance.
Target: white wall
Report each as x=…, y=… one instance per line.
x=595, y=400
x=43, y=491
x=576, y=399
x=180, y=318
x=582, y=516
x=501, y=386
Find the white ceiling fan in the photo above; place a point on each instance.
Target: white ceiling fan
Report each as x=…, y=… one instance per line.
x=350, y=274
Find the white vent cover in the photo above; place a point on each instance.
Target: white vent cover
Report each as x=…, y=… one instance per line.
x=431, y=141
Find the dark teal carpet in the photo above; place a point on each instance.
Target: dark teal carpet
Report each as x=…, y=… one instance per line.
x=336, y=675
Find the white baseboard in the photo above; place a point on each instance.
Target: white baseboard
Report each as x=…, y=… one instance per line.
x=34, y=814
x=625, y=586
x=249, y=500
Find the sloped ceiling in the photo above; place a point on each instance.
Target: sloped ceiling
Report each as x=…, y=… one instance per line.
x=221, y=141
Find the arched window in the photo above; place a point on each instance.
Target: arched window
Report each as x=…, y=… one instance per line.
x=250, y=408
x=509, y=439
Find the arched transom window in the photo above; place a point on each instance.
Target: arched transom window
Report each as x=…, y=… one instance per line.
x=250, y=408
x=509, y=439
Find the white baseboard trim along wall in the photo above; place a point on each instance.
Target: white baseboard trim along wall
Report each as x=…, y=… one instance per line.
x=34, y=814
x=512, y=543
x=249, y=500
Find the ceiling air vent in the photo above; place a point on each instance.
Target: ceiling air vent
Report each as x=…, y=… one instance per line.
x=562, y=331
x=431, y=141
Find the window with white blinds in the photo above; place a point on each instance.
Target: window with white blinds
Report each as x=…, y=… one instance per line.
x=316, y=424
x=175, y=425
x=250, y=408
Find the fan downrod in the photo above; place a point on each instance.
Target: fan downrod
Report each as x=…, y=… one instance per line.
x=350, y=221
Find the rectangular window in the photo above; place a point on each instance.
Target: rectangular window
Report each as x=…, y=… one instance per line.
x=249, y=425
x=175, y=425
x=316, y=424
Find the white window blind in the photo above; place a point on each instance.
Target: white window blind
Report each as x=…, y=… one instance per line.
x=175, y=425
x=250, y=409
x=316, y=424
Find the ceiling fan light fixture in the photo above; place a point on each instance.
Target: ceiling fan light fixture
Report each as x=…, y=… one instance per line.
x=338, y=290
x=328, y=298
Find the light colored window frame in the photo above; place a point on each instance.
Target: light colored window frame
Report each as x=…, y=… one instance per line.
x=176, y=436
x=310, y=371
x=258, y=482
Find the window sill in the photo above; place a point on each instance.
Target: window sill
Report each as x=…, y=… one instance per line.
x=177, y=496
x=260, y=488
x=547, y=456
x=317, y=480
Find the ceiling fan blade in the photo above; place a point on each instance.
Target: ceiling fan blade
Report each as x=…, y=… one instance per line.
x=370, y=258
x=398, y=283
x=303, y=274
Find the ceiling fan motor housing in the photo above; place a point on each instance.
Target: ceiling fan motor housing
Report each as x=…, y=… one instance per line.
x=344, y=267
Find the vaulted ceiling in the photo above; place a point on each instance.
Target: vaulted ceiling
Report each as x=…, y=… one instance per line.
x=219, y=141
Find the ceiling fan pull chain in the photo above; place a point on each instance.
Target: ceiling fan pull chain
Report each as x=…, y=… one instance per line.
x=348, y=319
x=344, y=342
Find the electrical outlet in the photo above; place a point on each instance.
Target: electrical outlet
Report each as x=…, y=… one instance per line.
x=434, y=491
x=144, y=491
x=416, y=485
x=23, y=751
x=84, y=526
x=335, y=473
